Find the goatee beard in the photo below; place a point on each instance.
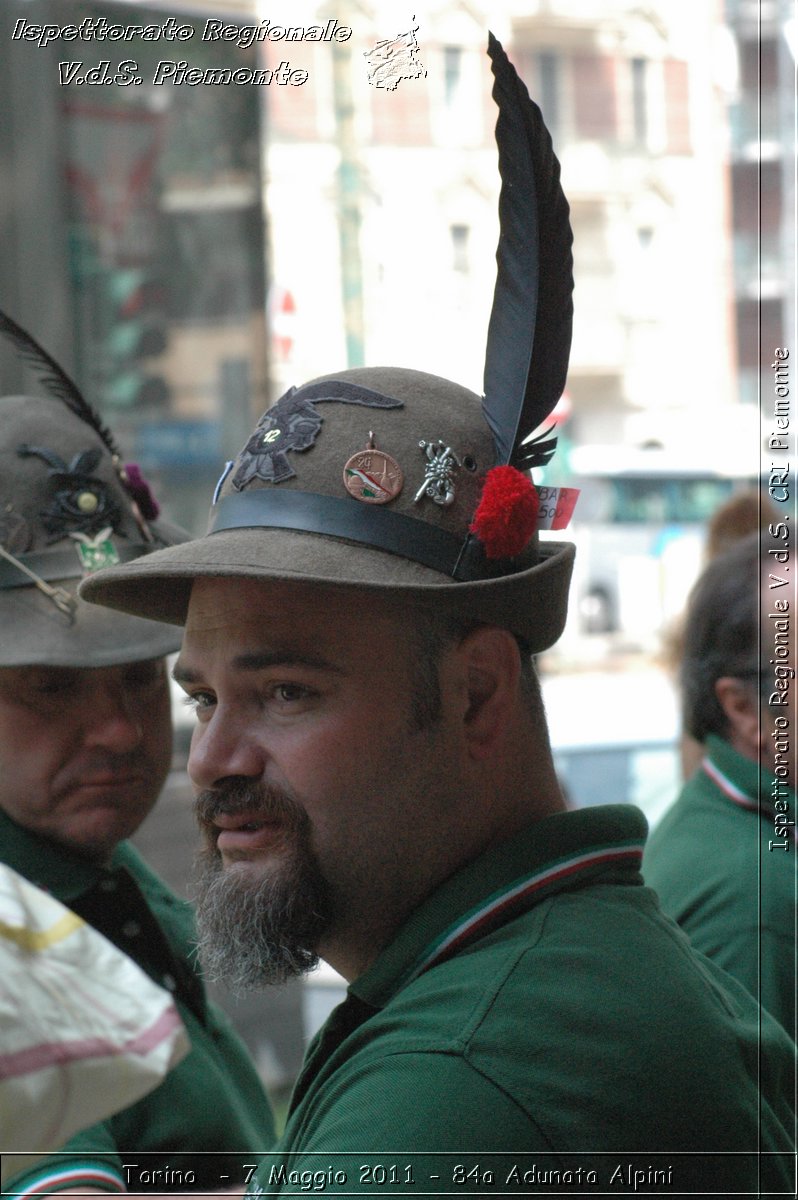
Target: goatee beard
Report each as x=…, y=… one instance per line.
x=255, y=931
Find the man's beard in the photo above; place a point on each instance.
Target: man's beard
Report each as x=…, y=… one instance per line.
x=258, y=931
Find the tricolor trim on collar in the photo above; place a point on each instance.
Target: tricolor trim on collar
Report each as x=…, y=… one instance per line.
x=736, y=794
x=380, y=528
x=87, y=1174
x=519, y=895
x=727, y=787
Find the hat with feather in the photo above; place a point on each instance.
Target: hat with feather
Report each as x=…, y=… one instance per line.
x=393, y=480
x=67, y=507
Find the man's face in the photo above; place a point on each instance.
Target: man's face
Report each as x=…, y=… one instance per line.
x=84, y=753
x=327, y=812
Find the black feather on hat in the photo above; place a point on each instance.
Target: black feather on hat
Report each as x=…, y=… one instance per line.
x=529, y=333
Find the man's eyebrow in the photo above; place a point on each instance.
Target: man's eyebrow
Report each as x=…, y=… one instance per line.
x=182, y=674
x=260, y=661
x=288, y=657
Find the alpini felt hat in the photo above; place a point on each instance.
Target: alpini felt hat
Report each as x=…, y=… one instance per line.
x=397, y=481
x=67, y=507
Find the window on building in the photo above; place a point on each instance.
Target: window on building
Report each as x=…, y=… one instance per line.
x=452, y=71
x=165, y=262
x=677, y=106
x=549, y=69
x=594, y=93
x=459, y=235
x=639, y=101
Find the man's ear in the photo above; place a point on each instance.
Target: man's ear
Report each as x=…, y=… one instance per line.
x=741, y=708
x=491, y=661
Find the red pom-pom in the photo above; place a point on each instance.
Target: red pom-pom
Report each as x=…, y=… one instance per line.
x=507, y=513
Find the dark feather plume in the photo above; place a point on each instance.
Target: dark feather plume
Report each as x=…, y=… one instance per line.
x=53, y=377
x=529, y=334
x=535, y=451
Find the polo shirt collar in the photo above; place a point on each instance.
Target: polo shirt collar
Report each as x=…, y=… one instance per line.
x=53, y=867
x=739, y=777
x=557, y=853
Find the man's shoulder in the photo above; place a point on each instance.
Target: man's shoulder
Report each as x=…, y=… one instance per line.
x=699, y=816
x=603, y=950
x=506, y=1027
x=55, y=868
x=709, y=844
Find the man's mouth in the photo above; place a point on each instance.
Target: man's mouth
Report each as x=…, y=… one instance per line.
x=242, y=820
x=245, y=832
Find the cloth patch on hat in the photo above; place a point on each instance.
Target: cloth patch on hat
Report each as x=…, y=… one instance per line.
x=81, y=502
x=293, y=424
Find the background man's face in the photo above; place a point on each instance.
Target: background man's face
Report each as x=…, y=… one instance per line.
x=84, y=753
x=305, y=699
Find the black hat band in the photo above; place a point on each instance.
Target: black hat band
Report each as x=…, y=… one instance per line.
x=379, y=528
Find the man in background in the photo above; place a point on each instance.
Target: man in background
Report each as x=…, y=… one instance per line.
x=85, y=747
x=723, y=858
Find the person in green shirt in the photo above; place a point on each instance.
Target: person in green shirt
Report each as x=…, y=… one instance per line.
x=85, y=747
x=376, y=787
x=723, y=857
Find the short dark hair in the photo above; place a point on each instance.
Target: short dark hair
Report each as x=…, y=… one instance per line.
x=721, y=635
x=434, y=632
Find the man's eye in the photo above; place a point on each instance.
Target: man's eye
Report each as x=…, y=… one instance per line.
x=291, y=692
x=199, y=701
x=53, y=688
x=54, y=685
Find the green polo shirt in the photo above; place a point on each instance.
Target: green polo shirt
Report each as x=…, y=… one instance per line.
x=195, y=1130
x=537, y=1014
x=728, y=878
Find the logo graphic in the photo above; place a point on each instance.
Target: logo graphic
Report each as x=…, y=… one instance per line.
x=393, y=59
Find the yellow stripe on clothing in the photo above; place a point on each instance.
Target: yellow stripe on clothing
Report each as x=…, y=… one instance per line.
x=40, y=939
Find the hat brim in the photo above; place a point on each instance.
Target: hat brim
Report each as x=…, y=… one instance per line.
x=35, y=632
x=532, y=602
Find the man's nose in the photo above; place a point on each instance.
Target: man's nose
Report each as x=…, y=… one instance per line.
x=222, y=748
x=116, y=722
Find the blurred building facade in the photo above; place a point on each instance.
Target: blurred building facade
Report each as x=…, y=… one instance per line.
x=151, y=228
x=762, y=118
x=639, y=123
x=133, y=239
